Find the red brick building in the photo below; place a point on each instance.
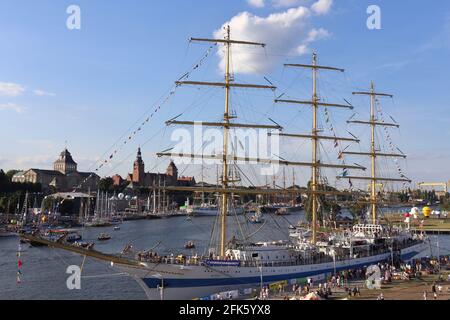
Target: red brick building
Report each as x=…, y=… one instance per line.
x=140, y=178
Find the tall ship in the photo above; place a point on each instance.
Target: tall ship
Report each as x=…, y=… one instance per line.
x=232, y=264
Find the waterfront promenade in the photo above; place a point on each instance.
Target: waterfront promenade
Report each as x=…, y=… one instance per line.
x=396, y=290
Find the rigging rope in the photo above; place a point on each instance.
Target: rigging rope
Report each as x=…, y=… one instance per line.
x=338, y=146
x=156, y=109
x=390, y=142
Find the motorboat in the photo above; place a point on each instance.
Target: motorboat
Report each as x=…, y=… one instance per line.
x=103, y=237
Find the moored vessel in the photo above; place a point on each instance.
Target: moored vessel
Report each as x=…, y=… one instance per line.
x=239, y=264
x=103, y=237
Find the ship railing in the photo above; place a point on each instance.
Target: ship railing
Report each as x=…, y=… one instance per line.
x=319, y=259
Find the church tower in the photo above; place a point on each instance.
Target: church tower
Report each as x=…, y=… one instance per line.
x=139, y=169
x=172, y=172
x=65, y=163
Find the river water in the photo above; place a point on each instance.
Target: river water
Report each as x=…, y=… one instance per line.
x=44, y=269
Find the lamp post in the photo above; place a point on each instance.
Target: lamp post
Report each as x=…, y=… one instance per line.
x=334, y=261
x=261, y=275
x=160, y=287
x=438, y=254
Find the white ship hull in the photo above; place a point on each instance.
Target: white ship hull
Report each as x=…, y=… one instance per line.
x=191, y=282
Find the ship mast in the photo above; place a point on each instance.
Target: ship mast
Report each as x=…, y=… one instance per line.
x=373, y=154
x=315, y=137
x=226, y=118
x=225, y=189
x=226, y=125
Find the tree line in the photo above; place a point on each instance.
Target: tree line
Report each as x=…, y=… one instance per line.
x=12, y=194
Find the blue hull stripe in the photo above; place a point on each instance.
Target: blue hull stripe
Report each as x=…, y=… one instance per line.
x=207, y=282
x=409, y=256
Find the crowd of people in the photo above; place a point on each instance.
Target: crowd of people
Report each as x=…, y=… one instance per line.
x=349, y=281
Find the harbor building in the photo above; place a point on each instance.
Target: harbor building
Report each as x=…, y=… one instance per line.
x=64, y=176
x=139, y=178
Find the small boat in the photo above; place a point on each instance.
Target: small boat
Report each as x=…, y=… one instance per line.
x=98, y=223
x=59, y=234
x=73, y=237
x=86, y=245
x=5, y=232
x=189, y=245
x=256, y=218
x=116, y=228
x=103, y=237
x=278, y=209
x=284, y=211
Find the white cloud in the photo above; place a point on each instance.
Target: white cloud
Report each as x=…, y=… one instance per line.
x=276, y=3
x=11, y=89
x=302, y=49
x=11, y=106
x=256, y=3
x=285, y=33
x=322, y=6
x=317, y=34
x=42, y=93
x=34, y=161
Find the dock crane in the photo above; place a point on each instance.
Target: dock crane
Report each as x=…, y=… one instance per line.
x=434, y=184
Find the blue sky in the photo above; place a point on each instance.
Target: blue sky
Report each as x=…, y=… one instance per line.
x=89, y=86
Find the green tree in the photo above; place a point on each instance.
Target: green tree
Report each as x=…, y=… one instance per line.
x=10, y=174
x=106, y=184
x=445, y=204
x=4, y=182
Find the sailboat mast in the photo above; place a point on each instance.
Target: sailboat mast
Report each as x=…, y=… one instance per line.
x=314, y=170
x=226, y=118
x=228, y=84
x=315, y=137
x=373, y=197
x=154, y=197
x=374, y=154
x=294, y=195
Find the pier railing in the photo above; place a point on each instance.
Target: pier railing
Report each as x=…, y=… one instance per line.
x=319, y=259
